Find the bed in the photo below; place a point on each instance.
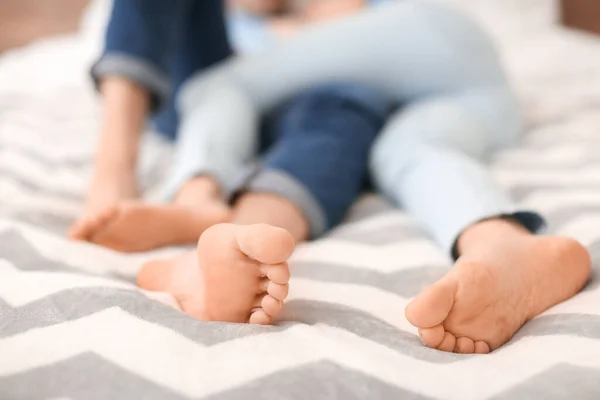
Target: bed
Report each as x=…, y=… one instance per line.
x=74, y=326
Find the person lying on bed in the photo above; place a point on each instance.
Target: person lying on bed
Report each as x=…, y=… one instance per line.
x=456, y=109
x=316, y=144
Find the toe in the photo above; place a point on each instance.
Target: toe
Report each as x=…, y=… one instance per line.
x=448, y=344
x=260, y=317
x=432, y=337
x=278, y=273
x=75, y=231
x=433, y=305
x=265, y=243
x=278, y=291
x=271, y=306
x=87, y=227
x=82, y=229
x=481, y=348
x=464, y=345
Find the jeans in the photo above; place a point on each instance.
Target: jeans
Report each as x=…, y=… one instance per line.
x=455, y=105
x=159, y=44
x=314, y=151
x=318, y=150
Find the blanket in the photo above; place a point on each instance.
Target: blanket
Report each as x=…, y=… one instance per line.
x=73, y=325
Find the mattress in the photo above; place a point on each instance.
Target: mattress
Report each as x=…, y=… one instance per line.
x=74, y=326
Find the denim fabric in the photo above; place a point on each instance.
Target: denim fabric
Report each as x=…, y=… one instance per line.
x=159, y=44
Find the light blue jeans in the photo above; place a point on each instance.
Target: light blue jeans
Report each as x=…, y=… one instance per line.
x=455, y=106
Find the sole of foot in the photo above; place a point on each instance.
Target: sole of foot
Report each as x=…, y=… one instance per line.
x=239, y=273
x=137, y=227
x=488, y=295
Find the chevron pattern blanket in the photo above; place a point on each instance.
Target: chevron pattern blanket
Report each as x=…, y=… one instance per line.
x=74, y=326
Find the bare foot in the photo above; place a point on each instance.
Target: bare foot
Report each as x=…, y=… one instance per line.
x=107, y=190
x=239, y=274
x=135, y=227
x=504, y=278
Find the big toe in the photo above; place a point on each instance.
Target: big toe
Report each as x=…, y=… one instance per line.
x=245, y=270
x=265, y=243
x=87, y=226
x=432, y=306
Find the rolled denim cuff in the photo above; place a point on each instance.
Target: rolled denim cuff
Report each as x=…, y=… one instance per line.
x=530, y=220
x=282, y=184
x=136, y=70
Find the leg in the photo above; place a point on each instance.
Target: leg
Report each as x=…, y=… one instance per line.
x=155, y=45
x=202, y=43
x=210, y=145
x=137, y=226
x=333, y=129
x=418, y=35
x=429, y=160
x=320, y=160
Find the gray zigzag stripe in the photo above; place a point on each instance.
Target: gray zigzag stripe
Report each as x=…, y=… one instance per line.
x=520, y=191
x=52, y=222
x=367, y=206
x=73, y=304
x=77, y=303
x=90, y=377
x=406, y=283
x=380, y=237
x=83, y=377
x=34, y=187
x=39, y=158
x=563, y=216
x=321, y=380
x=561, y=382
x=17, y=250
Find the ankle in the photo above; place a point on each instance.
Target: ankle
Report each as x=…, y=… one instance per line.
x=487, y=231
x=251, y=208
x=200, y=187
x=115, y=172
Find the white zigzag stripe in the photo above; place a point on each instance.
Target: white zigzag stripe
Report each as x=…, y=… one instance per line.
x=81, y=255
x=583, y=303
x=22, y=199
x=583, y=228
x=29, y=169
x=516, y=158
x=547, y=201
x=21, y=288
x=384, y=220
x=64, y=146
x=588, y=175
x=171, y=360
x=384, y=305
x=55, y=152
x=394, y=257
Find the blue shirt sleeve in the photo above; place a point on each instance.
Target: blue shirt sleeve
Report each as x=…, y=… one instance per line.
x=248, y=33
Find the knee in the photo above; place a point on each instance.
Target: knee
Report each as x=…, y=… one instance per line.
x=436, y=125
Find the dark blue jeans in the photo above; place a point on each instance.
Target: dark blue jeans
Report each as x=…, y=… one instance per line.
x=316, y=150
x=159, y=44
x=317, y=144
